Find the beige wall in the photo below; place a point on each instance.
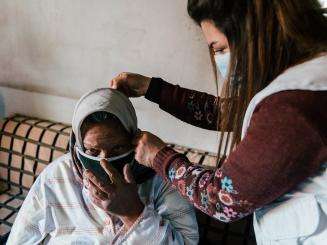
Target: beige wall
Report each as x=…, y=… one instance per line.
x=69, y=47
x=66, y=48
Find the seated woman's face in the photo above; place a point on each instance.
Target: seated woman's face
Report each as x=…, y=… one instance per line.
x=106, y=139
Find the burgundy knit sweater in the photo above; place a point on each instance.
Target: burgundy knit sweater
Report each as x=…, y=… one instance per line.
x=285, y=143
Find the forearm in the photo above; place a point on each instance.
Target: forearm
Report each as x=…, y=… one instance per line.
x=271, y=159
x=193, y=107
x=211, y=191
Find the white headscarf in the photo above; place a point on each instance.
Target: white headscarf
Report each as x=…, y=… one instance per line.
x=113, y=102
x=108, y=100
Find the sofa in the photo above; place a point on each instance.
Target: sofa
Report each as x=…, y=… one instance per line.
x=28, y=144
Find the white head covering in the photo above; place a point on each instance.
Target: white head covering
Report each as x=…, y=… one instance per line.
x=108, y=100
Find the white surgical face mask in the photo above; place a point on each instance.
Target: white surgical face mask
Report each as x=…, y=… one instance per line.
x=93, y=163
x=222, y=63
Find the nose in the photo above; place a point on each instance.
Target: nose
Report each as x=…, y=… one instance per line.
x=104, y=154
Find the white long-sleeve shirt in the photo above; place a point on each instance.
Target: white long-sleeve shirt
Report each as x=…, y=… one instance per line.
x=57, y=210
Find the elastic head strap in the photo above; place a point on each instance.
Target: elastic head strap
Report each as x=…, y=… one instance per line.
x=110, y=159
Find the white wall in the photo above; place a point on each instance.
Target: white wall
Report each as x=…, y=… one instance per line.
x=69, y=47
x=66, y=48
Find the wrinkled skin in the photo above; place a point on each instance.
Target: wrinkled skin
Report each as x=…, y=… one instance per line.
x=120, y=197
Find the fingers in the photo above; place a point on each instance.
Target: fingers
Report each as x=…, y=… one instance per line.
x=114, y=175
x=128, y=175
x=113, y=84
x=118, y=80
x=124, y=76
x=96, y=192
x=92, y=179
x=96, y=201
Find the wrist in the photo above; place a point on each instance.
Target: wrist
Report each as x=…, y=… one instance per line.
x=132, y=217
x=147, y=81
x=159, y=148
x=154, y=90
x=163, y=159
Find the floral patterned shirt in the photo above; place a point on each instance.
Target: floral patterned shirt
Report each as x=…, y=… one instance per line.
x=270, y=161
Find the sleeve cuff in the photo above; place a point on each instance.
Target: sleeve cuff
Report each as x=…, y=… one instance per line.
x=163, y=160
x=154, y=90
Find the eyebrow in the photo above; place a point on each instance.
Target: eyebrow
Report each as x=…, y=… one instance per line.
x=96, y=146
x=88, y=145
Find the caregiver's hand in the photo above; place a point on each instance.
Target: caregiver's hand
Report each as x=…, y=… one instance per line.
x=120, y=197
x=147, y=146
x=131, y=84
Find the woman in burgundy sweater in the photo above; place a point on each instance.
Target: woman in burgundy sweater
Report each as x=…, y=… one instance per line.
x=273, y=113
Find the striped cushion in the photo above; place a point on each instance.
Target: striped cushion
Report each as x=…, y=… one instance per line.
x=28, y=144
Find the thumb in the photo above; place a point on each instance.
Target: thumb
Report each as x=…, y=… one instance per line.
x=112, y=84
x=128, y=175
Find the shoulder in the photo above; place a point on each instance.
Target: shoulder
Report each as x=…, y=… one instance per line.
x=293, y=105
x=301, y=89
x=60, y=166
x=154, y=188
x=166, y=199
x=290, y=110
x=57, y=179
x=304, y=99
x=60, y=171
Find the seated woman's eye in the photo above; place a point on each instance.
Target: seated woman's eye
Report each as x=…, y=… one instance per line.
x=117, y=150
x=92, y=152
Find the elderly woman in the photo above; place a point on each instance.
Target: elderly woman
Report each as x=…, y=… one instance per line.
x=98, y=194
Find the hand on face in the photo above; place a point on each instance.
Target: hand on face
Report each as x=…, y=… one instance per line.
x=147, y=146
x=118, y=198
